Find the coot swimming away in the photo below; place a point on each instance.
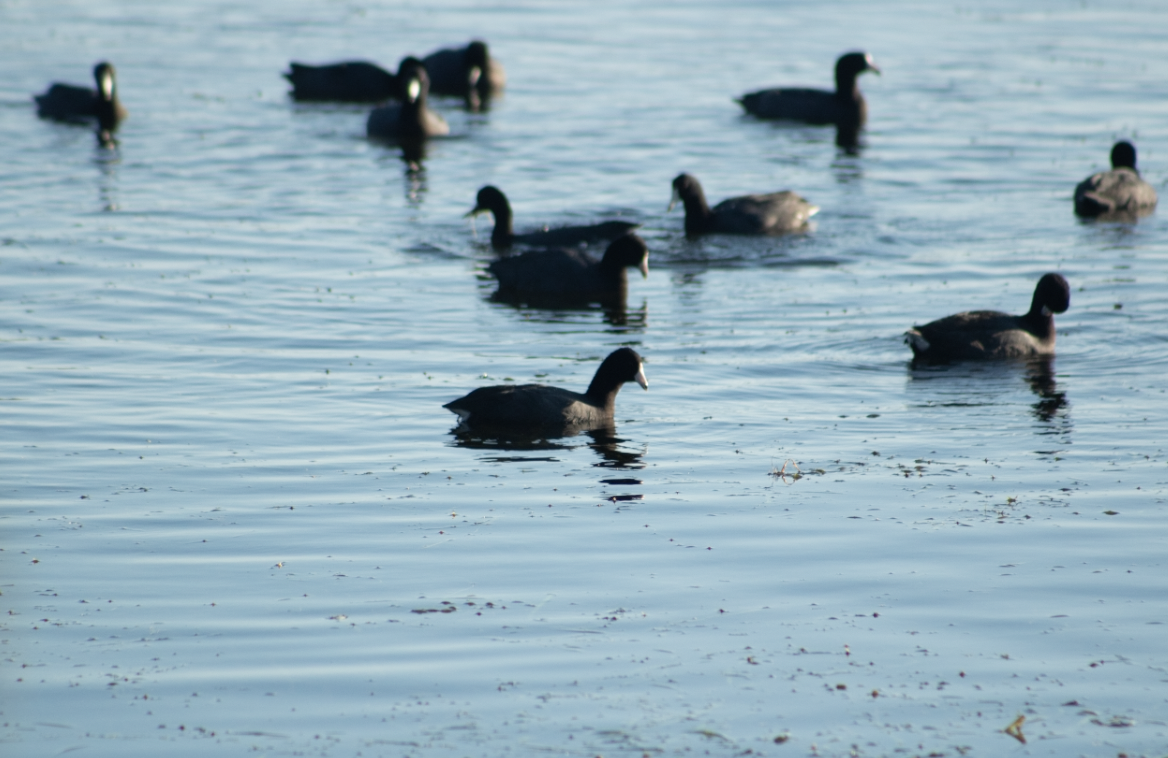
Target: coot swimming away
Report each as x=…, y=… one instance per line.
x=1119, y=192
x=467, y=72
x=992, y=334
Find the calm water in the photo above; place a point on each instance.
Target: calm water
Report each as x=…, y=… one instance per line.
x=235, y=519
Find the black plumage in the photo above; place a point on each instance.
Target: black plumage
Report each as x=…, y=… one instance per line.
x=1119, y=192
x=492, y=200
x=537, y=406
x=566, y=275
x=773, y=213
x=845, y=107
x=992, y=334
x=69, y=102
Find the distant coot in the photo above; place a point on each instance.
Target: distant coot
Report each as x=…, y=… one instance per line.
x=774, y=213
x=492, y=200
x=536, y=406
x=1119, y=191
x=991, y=334
x=469, y=72
x=410, y=119
x=348, y=81
x=570, y=274
x=69, y=102
x=845, y=107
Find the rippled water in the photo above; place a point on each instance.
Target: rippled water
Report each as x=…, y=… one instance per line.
x=235, y=518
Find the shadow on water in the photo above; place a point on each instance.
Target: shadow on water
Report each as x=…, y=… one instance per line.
x=972, y=384
x=514, y=446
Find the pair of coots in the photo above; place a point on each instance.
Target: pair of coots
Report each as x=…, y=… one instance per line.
x=469, y=72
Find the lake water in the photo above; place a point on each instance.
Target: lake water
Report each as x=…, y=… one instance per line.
x=234, y=517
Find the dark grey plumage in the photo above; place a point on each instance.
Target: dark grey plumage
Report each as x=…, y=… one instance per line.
x=992, y=334
x=536, y=406
x=347, y=81
x=468, y=72
x=69, y=102
x=774, y=213
x=845, y=107
x=491, y=200
x=410, y=119
x=1119, y=192
x=570, y=274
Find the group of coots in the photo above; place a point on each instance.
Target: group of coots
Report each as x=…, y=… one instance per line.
x=556, y=269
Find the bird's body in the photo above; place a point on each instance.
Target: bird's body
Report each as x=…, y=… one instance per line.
x=468, y=72
x=347, y=81
x=70, y=102
x=491, y=200
x=536, y=406
x=763, y=214
x=410, y=119
x=571, y=275
x=993, y=334
x=845, y=107
x=1118, y=192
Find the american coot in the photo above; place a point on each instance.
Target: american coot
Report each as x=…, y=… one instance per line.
x=348, y=81
x=845, y=107
x=469, y=72
x=1119, y=191
x=570, y=274
x=532, y=406
x=992, y=334
x=69, y=102
x=492, y=200
x=774, y=213
x=409, y=119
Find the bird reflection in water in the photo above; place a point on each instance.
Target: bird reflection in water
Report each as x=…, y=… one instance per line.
x=616, y=312
x=511, y=446
x=967, y=384
x=1052, y=405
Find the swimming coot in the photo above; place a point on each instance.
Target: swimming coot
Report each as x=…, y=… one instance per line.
x=535, y=406
x=469, y=72
x=774, y=213
x=410, y=119
x=69, y=102
x=1119, y=191
x=845, y=107
x=347, y=81
x=569, y=274
x=492, y=200
x=991, y=334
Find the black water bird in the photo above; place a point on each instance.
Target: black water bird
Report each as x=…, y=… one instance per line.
x=774, y=213
x=468, y=72
x=492, y=200
x=992, y=334
x=69, y=102
x=566, y=275
x=347, y=81
x=1118, y=192
x=411, y=119
x=845, y=107
x=537, y=406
